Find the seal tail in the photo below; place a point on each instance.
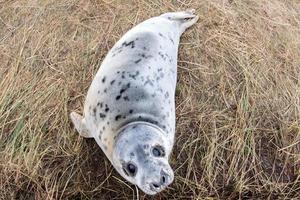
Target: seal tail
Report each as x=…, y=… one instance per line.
x=185, y=18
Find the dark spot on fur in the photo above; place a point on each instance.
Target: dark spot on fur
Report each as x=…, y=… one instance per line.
x=132, y=154
x=161, y=35
x=134, y=75
x=130, y=111
x=102, y=115
x=103, y=128
x=159, y=69
x=112, y=82
x=103, y=79
x=105, y=90
x=106, y=109
x=144, y=55
x=131, y=43
x=119, y=83
x=100, y=104
x=118, y=117
x=172, y=40
x=122, y=90
x=162, y=55
x=118, y=97
x=134, y=127
x=137, y=61
x=126, y=98
x=123, y=74
x=94, y=111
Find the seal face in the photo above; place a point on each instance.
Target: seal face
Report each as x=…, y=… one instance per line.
x=144, y=161
x=130, y=105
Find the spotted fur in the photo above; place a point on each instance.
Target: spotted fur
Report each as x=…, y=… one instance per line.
x=130, y=105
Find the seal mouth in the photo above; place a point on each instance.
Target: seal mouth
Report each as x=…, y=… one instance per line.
x=156, y=188
x=150, y=189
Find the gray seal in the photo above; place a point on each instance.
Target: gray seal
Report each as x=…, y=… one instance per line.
x=130, y=105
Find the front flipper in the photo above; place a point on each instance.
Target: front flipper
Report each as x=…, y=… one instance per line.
x=79, y=124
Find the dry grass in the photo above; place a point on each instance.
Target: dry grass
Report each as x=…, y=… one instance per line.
x=238, y=98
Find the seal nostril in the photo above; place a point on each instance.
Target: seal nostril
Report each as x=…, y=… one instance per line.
x=155, y=185
x=163, y=179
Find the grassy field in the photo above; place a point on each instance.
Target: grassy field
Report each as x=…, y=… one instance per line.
x=237, y=98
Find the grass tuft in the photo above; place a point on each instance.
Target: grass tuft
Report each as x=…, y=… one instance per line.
x=237, y=99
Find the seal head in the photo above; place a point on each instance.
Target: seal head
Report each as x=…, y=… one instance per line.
x=141, y=156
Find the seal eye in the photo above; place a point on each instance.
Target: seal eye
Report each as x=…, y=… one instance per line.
x=158, y=151
x=130, y=169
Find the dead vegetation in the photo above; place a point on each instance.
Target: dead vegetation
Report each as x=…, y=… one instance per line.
x=238, y=99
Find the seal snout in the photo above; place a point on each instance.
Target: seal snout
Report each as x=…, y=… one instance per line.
x=165, y=180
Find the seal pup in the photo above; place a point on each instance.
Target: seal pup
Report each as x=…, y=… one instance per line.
x=130, y=105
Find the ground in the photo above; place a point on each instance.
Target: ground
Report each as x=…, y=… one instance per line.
x=237, y=98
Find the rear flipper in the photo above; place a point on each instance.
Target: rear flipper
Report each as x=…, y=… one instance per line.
x=185, y=18
x=79, y=124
